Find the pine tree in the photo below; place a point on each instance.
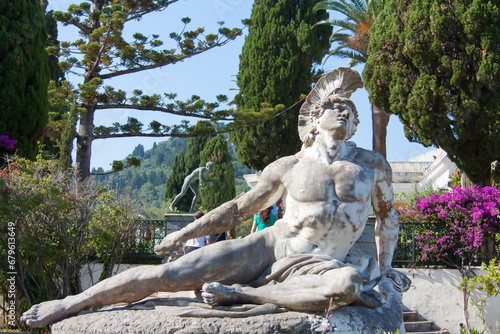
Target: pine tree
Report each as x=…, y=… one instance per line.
x=107, y=53
x=277, y=66
x=174, y=184
x=222, y=189
x=24, y=74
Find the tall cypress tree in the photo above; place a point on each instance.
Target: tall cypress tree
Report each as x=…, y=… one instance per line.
x=436, y=66
x=24, y=74
x=174, y=184
x=277, y=65
x=222, y=189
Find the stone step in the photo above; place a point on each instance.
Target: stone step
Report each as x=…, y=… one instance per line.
x=415, y=324
x=410, y=316
x=418, y=326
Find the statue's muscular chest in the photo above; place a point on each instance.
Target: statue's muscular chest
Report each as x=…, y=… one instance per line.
x=313, y=181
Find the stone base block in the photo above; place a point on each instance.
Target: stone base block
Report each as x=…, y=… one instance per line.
x=173, y=313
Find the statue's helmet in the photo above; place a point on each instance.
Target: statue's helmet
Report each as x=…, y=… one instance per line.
x=334, y=87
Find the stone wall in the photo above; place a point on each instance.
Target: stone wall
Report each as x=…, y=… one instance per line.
x=435, y=295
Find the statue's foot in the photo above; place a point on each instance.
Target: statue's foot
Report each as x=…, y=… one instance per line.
x=216, y=294
x=370, y=299
x=43, y=314
x=171, y=208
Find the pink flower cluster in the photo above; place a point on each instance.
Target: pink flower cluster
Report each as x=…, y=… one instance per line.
x=6, y=142
x=468, y=217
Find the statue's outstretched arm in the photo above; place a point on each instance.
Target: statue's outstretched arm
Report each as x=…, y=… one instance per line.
x=229, y=215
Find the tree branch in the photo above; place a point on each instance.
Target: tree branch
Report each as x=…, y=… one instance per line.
x=80, y=26
x=101, y=50
x=161, y=109
x=140, y=14
x=160, y=64
x=225, y=129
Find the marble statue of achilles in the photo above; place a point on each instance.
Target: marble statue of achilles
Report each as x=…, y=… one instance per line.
x=299, y=263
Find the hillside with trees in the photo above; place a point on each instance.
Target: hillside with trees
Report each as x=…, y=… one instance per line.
x=146, y=183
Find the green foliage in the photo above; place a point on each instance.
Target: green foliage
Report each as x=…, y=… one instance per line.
x=244, y=228
x=411, y=198
x=55, y=71
x=276, y=67
x=490, y=281
x=435, y=64
x=24, y=74
x=222, y=189
x=138, y=151
x=471, y=331
x=113, y=228
x=63, y=117
x=58, y=223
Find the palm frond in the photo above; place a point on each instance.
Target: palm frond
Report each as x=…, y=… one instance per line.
x=342, y=38
x=343, y=51
x=357, y=59
x=328, y=21
x=348, y=25
x=353, y=32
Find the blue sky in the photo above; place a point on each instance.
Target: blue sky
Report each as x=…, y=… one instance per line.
x=206, y=75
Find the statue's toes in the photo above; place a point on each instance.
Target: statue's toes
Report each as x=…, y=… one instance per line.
x=209, y=298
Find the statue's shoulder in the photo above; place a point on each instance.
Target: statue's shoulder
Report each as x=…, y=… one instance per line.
x=286, y=161
x=280, y=167
x=369, y=158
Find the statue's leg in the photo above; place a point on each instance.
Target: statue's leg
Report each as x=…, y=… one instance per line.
x=194, y=188
x=335, y=288
x=218, y=262
x=177, y=198
x=184, y=188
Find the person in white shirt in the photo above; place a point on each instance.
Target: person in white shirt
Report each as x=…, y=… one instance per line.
x=196, y=243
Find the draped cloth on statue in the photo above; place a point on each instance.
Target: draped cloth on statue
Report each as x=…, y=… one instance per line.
x=313, y=264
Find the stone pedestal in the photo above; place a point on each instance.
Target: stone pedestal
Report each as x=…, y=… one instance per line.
x=177, y=220
x=170, y=313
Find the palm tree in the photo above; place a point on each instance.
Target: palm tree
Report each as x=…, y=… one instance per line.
x=351, y=41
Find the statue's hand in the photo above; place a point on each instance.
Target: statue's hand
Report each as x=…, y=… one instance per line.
x=171, y=243
x=401, y=281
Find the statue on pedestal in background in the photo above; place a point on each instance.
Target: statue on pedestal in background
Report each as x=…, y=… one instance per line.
x=190, y=183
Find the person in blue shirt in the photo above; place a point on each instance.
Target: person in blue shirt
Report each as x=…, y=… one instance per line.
x=263, y=220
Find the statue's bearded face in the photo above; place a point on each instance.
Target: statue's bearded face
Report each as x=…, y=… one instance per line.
x=336, y=119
